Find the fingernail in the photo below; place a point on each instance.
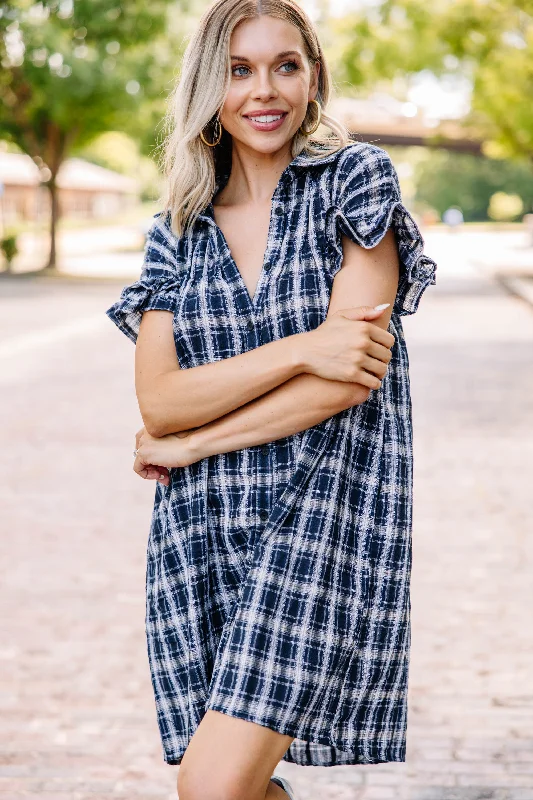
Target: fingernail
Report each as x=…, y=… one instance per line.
x=381, y=307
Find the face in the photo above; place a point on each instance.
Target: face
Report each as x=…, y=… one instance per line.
x=270, y=73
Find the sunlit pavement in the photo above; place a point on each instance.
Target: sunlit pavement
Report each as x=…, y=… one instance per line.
x=98, y=252
x=78, y=719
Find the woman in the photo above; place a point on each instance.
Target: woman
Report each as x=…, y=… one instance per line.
x=277, y=416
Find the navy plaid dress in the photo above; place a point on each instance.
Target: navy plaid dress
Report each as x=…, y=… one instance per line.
x=277, y=578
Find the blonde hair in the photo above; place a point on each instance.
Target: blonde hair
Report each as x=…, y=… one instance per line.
x=190, y=167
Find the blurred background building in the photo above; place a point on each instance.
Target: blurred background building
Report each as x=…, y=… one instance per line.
x=85, y=190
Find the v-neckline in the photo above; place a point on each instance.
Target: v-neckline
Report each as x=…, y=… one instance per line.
x=229, y=257
x=208, y=214
x=251, y=300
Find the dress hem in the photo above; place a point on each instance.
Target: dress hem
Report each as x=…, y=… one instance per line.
x=307, y=738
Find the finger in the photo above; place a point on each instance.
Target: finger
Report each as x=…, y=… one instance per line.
x=371, y=381
x=376, y=333
x=158, y=473
x=163, y=479
x=359, y=312
x=379, y=352
x=155, y=474
x=146, y=468
x=380, y=336
x=375, y=367
x=367, y=312
x=151, y=472
x=140, y=468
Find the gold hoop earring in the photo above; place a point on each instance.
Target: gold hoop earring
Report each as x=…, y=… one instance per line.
x=219, y=135
x=317, y=123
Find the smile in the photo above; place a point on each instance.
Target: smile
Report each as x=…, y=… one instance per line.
x=266, y=122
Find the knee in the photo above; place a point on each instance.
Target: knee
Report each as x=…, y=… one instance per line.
x=193, y=785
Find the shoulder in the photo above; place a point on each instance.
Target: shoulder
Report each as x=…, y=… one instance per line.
x=363, y=160
x=358, y=167
x=353, y=156
x=363, y=175
x=161, y=242
x=160, y=226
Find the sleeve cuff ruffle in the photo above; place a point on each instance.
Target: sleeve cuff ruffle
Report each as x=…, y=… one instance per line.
x=417, y=271
x=152, y=292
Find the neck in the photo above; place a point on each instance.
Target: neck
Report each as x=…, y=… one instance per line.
x=254, y=175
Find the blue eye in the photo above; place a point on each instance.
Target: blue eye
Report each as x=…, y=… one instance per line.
x=293, y=63
x=239, y=67
x=242, y=66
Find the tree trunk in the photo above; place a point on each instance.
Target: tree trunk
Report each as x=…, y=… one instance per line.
x=55, y=148
x=54, y=219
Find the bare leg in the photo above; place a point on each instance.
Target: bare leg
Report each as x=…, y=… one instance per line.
x=231, y=759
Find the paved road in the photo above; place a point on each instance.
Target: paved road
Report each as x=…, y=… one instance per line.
x=77, y=715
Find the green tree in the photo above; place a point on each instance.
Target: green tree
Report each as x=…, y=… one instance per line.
x=489, y=43
x=445, y=179
x=72, y=70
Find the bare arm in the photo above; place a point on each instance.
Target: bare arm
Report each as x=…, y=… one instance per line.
x=367, y=277
x=173, y=399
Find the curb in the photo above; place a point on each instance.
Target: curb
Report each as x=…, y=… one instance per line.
x=42, y=274
x=517, y=285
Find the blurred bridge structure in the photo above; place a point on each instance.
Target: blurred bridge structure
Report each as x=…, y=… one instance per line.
x=384, y=121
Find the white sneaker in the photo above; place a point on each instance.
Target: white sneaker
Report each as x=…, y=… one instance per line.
x=285, y=785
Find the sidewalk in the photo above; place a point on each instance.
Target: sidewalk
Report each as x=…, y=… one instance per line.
x=506, y=256
x=102, y=252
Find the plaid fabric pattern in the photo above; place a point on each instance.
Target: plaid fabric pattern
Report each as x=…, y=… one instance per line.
x=277, y=578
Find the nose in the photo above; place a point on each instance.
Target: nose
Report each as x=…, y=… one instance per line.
x=264, y=87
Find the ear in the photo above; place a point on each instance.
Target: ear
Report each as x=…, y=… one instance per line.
x=313, y=85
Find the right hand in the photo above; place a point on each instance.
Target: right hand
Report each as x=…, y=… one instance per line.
x=348, y=347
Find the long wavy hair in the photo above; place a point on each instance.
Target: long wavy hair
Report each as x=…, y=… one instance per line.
x=189, y=166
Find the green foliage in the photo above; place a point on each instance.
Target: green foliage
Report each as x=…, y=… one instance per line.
x=446, y=179
x=8, y=246
x=73, y=70
x=489, y=43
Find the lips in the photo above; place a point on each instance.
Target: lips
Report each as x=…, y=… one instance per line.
x=271, y=125
x=266, y=112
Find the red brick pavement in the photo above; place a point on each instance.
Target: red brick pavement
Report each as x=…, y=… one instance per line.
x=78, y=719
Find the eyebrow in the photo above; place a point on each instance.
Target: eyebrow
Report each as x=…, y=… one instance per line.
x=279, y=55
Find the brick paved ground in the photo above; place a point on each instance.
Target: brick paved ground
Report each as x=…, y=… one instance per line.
x=77, y=715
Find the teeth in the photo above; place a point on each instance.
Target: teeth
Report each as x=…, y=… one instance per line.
x=268, y=118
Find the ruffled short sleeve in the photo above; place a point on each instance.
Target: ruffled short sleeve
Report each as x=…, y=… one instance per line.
x=366, y=202
x=157, y=287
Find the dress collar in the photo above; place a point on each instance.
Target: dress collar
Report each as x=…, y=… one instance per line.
x=301, y=160
x=307, y=160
